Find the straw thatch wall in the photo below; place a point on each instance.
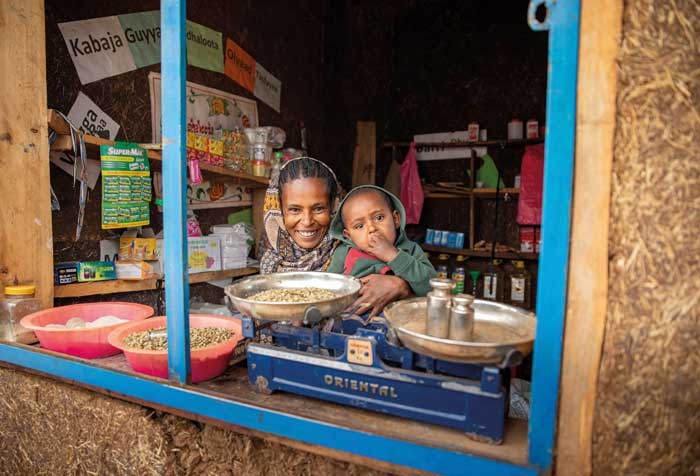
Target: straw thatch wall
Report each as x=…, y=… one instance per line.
x=647, y=419
x=50, y=428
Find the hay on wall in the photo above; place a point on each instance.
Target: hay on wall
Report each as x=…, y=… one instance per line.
x=647, y=416
x=51, y=428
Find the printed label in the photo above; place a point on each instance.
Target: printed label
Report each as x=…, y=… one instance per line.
x=517, y=289
x=490, y=287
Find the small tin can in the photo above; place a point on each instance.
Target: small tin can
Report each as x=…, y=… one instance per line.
x=441, y=271
x=437, y=322
x=461, y=318
x=473, y=131
x=483, y=135
x=429, y=236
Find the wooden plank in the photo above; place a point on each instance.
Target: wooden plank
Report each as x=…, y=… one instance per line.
x=601, y=24
x=364, y=160
x=217, y=275
x=258, y=203
x=104, y=287
x=235, y=386
x=480, y=254
x=221, y=204
x=26, y=237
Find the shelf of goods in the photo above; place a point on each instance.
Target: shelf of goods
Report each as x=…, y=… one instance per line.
x=469, y=190
x=92, y=144
x=480, y=254
x=126, y=286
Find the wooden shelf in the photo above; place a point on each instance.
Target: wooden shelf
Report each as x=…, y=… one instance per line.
x=92, y=144
x=500, y=142
x=481, y=254
x=225, y=274
x=104, y=287
x=209, y=205
x=440, y=192
x=128, y=286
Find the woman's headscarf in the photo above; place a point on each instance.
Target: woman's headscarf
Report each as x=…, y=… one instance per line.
x=279, y=251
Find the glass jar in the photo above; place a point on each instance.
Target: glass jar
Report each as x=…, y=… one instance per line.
x=19, y=302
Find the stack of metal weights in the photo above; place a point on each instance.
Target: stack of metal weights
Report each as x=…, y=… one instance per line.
x=449, y=316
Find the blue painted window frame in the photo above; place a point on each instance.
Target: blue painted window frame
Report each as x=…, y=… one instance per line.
x=563, y=25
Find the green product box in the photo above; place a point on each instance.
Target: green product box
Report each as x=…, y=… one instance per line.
x=96, y=271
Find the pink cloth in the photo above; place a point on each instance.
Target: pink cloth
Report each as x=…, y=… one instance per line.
x=411, y=187
x=531, y=175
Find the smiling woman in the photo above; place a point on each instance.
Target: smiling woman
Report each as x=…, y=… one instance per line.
x=297, y=213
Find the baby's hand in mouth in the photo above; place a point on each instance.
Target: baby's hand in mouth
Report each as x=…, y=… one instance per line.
x=380, y=247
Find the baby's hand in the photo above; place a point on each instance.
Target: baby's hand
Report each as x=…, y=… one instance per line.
x=380, y=247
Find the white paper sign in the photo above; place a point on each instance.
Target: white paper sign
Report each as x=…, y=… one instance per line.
x=208, y=109
x=66, y=163
x=442, y=153
x=97, y=47
x=267, y=87
x=90, y=119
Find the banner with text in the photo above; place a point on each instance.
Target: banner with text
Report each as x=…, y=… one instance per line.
x=142, y=33
x=243, y=69
x=204, y=47
x=98, y=48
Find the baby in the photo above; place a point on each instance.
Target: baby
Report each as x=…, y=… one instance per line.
x=370, y=226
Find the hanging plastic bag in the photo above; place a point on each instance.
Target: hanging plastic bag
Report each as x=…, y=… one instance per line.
x=411, y=187
x=531, y=175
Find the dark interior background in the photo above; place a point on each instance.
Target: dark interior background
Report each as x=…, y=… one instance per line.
x=412, y=66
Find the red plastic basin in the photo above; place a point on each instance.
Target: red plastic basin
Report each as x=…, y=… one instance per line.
x=86, y=343
x=205, y=363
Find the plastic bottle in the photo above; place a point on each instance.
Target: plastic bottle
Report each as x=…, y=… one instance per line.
x=518, y=286
x=493, y=282
x=19, y=302
x=443, y=267
x=459, y=275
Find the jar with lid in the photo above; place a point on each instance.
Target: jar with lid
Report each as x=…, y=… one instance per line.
x=518, y=285
x=493, y=282
x=19, y=302
x=459, y=275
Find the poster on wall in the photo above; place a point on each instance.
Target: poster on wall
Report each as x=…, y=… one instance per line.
x=126, y=185
x=90, y=119
x=97, y=47
x=208, y=109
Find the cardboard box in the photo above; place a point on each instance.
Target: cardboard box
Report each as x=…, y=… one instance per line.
x=142, y=249
x=133, y=270
x=96, y=271
x=203, y=254
x=65, y=273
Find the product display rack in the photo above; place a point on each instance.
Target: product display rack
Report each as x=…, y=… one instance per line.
x=470, y=190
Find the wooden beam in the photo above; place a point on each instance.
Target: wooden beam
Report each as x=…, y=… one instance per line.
x=601, y=25
x=26, y=240
x=364, y=160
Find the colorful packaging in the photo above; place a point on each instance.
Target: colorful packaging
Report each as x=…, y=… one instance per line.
x=473, y=132
x=65, y=273
x=532, y=129
x=429, y=236
x=137, y=249
x=89, y=271
x=527, y=239
x=204, y=254
x=133, y=270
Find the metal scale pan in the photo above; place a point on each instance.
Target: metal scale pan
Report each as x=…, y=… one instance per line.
x=502, y=334
x=347, y=289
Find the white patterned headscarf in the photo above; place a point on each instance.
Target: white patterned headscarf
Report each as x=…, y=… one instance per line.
x=278, y=250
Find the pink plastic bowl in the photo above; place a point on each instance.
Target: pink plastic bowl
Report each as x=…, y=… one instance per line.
x=205, y=363
x=86, y=343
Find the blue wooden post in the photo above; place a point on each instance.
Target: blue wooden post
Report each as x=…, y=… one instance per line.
x=563, y=25
x=173, y=66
